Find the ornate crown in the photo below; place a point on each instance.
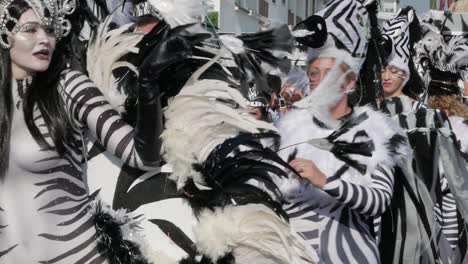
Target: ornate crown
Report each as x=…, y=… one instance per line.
x=51, y=12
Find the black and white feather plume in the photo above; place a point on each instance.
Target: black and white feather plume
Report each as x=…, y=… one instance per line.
x=221, y=157
x=200, y=118
x=104, y=54
x=119, y=235
x=252, y=51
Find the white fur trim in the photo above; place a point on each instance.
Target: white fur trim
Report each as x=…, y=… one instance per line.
x=237, y=228
x=297, y=127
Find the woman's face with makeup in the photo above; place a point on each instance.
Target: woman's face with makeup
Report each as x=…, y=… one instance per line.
x=392, y=78
x=33, y=46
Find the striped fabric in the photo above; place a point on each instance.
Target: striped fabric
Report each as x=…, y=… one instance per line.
x=44, y=198
x=422, y=125
x=336, y=220
x=338, y=229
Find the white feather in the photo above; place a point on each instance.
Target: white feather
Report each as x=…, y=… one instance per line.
x=250, y=228
x=197, y=122
x=103, y=56
x=178, y=12
x=233, y=44
x=326, y=95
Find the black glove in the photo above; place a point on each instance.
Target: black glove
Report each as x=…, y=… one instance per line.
x=166, y=48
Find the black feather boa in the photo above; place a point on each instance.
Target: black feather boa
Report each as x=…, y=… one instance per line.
x=228, y=169
x=111, y=241
x=228, y=259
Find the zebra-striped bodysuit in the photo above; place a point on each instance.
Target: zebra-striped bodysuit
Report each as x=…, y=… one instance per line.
x=336, y=221
x=44, y=198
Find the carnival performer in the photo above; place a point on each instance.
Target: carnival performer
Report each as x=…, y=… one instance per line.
x=408, y=232
x=216, y=214
x=344, y=155
x=442, y=60
x=114, y=60
x=45, y=108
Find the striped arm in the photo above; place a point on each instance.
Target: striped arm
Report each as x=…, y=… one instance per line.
x=446, y=216
x=88, y=108
x=370, y=200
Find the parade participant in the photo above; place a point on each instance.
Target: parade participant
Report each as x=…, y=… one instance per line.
x=401, y=85
x=423, y=187
x=45, y=108
x=344, y=154
x=189, y=223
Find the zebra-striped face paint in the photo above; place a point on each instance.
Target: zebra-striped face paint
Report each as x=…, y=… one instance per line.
x=392, y=81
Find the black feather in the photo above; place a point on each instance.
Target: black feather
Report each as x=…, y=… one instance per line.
x=229, y=168
x=228, y=259
x=111, y=242
x=259, y=49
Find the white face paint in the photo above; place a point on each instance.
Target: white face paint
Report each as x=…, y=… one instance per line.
x=33, y=46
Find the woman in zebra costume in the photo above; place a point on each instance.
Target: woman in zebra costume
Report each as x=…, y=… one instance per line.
x=423, y=187
x=45, y=108
x=345, y=155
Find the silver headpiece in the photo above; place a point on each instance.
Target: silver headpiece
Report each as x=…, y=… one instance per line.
x=51, y=12
x=144, y=8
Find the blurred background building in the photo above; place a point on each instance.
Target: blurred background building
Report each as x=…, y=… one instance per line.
x=253, y=15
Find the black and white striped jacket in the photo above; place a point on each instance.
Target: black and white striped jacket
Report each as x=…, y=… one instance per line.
x=336, y=220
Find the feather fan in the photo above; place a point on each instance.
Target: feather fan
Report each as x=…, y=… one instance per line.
x=200, y=118
x=250, y=228
x=104, y=52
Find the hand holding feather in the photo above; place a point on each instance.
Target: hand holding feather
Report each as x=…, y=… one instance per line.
x=310, y=172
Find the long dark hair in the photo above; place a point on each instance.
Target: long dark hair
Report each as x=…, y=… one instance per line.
x=42, y=93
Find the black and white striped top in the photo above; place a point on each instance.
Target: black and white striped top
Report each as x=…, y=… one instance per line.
x=44, y=198
x=336, y=221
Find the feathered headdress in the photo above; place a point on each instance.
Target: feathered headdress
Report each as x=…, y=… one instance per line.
x=51, y=12
x=440, y=62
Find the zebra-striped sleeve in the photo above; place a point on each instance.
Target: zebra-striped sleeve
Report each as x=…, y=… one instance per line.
x=87, y=108
x=371, y=200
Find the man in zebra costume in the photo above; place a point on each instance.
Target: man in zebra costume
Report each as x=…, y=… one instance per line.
x=344, y=154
